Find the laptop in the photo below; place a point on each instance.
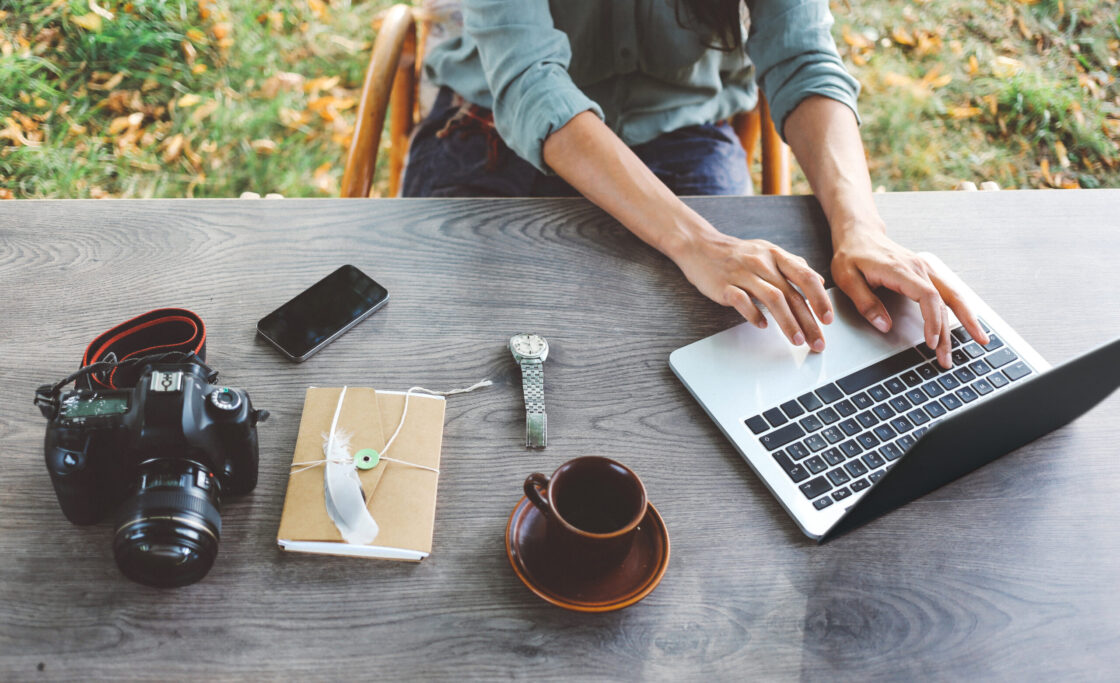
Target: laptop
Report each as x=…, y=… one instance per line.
x=844, y=436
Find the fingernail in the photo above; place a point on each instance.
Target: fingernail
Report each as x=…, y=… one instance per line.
x=827, y=317
x=936, y=341
x=880, y=323
x=818, y=345
x=798, y=339
x=761, y=324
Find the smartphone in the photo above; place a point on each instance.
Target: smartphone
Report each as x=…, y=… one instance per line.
x=321, y=313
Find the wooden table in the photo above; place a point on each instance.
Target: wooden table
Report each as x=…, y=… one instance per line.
x=1010, y=573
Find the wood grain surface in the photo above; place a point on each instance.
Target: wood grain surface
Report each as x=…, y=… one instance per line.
x=1010, y=573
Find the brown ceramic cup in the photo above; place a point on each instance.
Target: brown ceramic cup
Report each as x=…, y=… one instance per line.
x=593, y=506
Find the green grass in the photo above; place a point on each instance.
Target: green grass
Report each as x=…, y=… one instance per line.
x=231, y=95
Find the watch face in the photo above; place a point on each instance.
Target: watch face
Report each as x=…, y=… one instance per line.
x=528, y=345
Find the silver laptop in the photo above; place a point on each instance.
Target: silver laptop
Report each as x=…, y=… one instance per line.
x=821, y=430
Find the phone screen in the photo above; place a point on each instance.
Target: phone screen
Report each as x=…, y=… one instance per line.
x=322, y=312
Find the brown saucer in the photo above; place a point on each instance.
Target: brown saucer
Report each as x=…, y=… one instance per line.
x=546, y=575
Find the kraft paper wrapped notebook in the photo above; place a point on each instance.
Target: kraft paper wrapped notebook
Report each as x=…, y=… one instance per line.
x=402, y=499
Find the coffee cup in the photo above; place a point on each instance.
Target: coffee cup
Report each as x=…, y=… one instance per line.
x=593, y=506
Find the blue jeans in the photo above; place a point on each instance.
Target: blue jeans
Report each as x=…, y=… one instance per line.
x=455, y=152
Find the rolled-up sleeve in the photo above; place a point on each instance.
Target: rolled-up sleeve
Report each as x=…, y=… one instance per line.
x=795, y=56
x=525, y=60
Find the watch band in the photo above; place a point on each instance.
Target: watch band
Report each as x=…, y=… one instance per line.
x=536, y=422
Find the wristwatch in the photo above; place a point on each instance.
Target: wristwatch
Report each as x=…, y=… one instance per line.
x=530, y=350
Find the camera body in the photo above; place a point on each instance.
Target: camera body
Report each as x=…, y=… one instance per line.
x=98, y=441
x=167, y=449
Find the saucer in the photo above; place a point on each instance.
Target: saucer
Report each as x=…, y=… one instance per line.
x=544, y=573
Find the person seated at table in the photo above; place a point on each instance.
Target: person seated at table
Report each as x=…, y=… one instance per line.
x=625, y=102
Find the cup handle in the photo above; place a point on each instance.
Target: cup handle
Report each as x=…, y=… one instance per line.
x=536, y=486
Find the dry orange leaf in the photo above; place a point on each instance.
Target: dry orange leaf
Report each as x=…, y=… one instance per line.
x=188, y=100
x=1006, y=67
x=199, y=68
x=973, y=66
x=205, y=110
x=964, y=112
x=222, y=30
x=318, y=7
x=903, y=37
x=1063, y=156
x=1044, y=169
x=263, y=146
x=172, y=148
x=110, y=84
x=90, y=22
x=5, y=193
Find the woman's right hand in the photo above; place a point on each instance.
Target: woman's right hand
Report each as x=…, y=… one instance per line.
x=738, y=273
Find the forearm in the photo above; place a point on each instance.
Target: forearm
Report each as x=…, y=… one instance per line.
x=825, y=139
x=588, y=155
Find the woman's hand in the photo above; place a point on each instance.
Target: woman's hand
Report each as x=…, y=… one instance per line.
x=737, y=273
x=864, y=259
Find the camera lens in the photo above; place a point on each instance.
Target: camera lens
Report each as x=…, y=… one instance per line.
x=167, y=533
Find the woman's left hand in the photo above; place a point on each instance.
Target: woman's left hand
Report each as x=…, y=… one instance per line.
x=865, y=259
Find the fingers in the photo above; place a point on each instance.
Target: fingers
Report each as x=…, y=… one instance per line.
x=960, y=309
x=917, y=286
x=852, y=283
x=945, y=347
x=741, y=301
x=797, y=271
x=778, y=303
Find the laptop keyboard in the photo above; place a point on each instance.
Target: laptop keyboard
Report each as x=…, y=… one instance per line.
x=841, y=438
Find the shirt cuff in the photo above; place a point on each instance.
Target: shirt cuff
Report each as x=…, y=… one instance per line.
x=826, y=78
x=524, y=122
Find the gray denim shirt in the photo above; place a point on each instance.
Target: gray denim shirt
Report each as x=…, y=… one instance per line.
x=538, y=63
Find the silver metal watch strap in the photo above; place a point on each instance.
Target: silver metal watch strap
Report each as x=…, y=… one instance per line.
x=532, y=384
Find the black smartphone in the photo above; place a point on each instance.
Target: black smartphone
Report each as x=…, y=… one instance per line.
x=322, y=312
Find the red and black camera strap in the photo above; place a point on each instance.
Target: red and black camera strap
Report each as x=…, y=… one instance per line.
x=116, y=358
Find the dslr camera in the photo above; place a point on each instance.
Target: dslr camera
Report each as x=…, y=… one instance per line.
x=163, y=453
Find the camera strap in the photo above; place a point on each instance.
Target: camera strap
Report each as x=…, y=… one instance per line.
x=160, y=331
x=115, y=359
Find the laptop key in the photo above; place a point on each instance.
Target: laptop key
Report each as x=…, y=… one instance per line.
x=934, y=409
x=951, y=402
x=873, y=460
x=876, y=476
x=920, y=431
x=883, y=411
x=1017, y=371
x=884, y=432
x=775, y=417
x=994, y=343
x=822, y=503
x=856, y=468
x=998, y=380
x=878, y=393
x=917, y=396
x=927, y=371
x=816, y=464
x=851, y=448
x=876, y=372
x=964, y=375
x=962, y=335
x=796, y=472
x=901, y=424
x=860, y=484
x=850, y=427
x=838, y=476
x=900, y=404
x=891, y=451
x=792, y=409
x=895, y=385
x=810, y=423
x=911, y=378
x=815, y=487
x=918, y=416
x=840, y=494
x=810, y=401
x=833, y=435
x=862, y=400
x=833, y=456
x=973, y=349
x=867, y=440
x=1001, y=357
x=906, y=443
x=979, y=367
x=868, y=419
x=829, y=393
x=983, y=386
x=828, y=416
x=845, y=408
x=780, y=437
x=815, y=442
x=797, y=450
x=967, y=395
x=756, y=424
x=926, y=351
x=932, y=389
x=948, y=381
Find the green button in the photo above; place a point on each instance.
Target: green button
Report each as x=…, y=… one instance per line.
x=366, y=459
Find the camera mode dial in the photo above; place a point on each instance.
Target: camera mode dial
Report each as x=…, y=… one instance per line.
x=225, y=399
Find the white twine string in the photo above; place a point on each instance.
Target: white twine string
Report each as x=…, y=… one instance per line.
x=310, y=464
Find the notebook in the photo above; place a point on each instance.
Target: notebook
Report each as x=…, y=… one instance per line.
x=402, y=499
